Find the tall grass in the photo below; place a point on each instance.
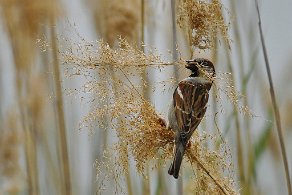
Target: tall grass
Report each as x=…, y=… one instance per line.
x=274, y=103
x=60, y=112
x=121, y=71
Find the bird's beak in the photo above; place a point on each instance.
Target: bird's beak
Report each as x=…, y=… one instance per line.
x=188, y=63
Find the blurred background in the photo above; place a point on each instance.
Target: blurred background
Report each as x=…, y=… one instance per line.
x=43, y=150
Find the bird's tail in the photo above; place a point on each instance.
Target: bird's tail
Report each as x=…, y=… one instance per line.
x=178, y=157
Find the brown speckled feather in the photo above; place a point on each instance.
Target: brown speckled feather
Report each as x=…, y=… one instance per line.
x=190, y=109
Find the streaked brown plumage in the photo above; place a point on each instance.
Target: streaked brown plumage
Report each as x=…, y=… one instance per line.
x=189, y=107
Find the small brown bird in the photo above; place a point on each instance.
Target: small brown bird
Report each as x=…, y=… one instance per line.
x=189, y=106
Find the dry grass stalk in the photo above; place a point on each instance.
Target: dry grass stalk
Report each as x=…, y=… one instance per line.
x=176, y=71
x=202, y=20
x=122, y=19
x=141, y=131
x=31, y=15
x=211, y=166
x=115, y=18
x=146, y=90
x=119, y=18
x=236, y=109
x=274, y=103
x=60, y=113
x=10, y=143
x=224, y=86
x=146, y=137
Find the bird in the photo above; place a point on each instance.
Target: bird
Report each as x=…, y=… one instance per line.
x=188, y=107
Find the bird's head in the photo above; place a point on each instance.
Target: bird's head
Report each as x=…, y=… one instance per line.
x=201, y=67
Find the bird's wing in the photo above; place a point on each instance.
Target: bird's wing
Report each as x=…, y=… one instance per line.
x=190, y=99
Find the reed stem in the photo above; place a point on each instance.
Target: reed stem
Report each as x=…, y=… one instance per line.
x=60, y=112
x=202, y=166
x=238, y=131
x=274, y=103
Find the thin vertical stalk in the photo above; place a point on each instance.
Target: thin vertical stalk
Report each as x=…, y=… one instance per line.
x=22, y=76
x=128, y=180
x=175, y=56
x=52, y=170
x=161, y=185
x=2, y=92
x=146, y=182
x=127, y=173
x=238, y=131
x=60, y=112
x=142, y=20
x=247, y=180
x=146, y=93
x=238, y=40
x=215, y=92
x=174, y=33
x=31, y=158
x=31, y=134
x=274, y=103
x=101, y=144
